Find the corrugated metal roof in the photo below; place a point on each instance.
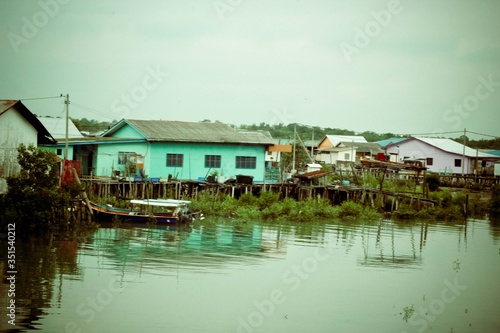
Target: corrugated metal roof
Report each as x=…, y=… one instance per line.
x=335, y=139
x=181, y=131
x=386, y=142
x=492, y=152
x=452, y=146
x=57, y=128
x=363, y=147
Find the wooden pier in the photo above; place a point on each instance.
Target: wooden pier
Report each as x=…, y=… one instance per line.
x=336, y=194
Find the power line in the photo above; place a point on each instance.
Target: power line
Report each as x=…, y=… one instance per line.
x=488, y=135
x=452, y=132
x=434, y=133
x=86, y=108
x=35, y=98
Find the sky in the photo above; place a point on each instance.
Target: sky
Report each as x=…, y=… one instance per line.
x=399, y=66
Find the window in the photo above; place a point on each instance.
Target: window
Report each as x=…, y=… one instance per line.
x=174, y=160
x=246, y=162
x=212, y=161
x=124, y=157
x=347, y=156
x=429, y=161
x=458, y=162
x=59, y=151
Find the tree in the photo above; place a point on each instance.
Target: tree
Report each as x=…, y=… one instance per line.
x=34, y=200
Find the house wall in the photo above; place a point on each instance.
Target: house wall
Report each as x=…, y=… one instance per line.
x=443, y=162
x=333, y=157
x=14, y=130
x=325, y=143
x=155, y=158
x=194, y=160
x=128, y=132
x=106, y=157
x=59, y=150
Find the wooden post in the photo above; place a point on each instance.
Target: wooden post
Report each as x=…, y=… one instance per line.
x=84, y=194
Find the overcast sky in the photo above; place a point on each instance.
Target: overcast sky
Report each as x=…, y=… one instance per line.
x=384, y=66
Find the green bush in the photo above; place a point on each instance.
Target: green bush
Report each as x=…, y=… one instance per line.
x=494, y=206
x=350, y=209
x=34, y=200
x=370, y=214
x=267, y=199
x=433, y=181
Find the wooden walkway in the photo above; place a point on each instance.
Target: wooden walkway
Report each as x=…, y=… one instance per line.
x=336, y=194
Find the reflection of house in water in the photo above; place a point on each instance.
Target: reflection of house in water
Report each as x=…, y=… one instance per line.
x=41, y=267
x=187, y=247
x=391, y=248
x=394, y=245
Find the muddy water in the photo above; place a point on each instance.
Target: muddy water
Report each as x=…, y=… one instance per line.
x=255, y=277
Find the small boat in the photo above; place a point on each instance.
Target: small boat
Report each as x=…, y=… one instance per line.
x=164, y=211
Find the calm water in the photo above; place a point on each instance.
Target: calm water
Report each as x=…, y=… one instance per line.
x=319, y=277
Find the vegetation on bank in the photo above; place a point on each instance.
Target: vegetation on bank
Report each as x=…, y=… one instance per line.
x=494, y=206
x=35, y=201
x=268, y=206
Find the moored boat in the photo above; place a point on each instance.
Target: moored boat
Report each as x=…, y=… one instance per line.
x=163, y=211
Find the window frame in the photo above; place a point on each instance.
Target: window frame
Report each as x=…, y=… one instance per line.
x=213, y=161
x=246, y=162
x=174, y=160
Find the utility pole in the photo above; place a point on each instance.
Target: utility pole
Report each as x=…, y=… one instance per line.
x=294, y=145
x=67, y=126
x=463, y=153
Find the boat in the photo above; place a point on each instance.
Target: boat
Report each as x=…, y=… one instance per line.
x=147, y=210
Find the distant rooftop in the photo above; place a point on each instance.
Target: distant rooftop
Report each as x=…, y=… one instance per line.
x=386, y=142
x=57, y=128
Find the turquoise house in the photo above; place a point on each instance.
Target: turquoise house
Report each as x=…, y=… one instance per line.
x=181, y=150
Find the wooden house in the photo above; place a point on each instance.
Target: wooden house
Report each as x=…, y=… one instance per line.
x=444, y=156
x=180, y=150
x=18, y=125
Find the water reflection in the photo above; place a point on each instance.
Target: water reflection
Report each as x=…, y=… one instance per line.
x=165, y=250
x=42, y=265
x=48, y=268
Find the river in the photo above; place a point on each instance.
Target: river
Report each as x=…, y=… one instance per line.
x=224, y=276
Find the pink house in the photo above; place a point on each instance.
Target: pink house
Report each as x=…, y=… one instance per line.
x=442, y=155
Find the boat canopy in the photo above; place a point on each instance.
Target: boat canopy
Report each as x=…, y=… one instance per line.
x=161, y=203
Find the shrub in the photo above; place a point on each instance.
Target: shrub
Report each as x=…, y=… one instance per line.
x=494, y=206
x=267, y=199
x=433, y=181
x=34, y=198
x=370, y=214
x=350, y=209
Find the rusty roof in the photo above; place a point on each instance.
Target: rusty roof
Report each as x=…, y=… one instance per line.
x=6, y=104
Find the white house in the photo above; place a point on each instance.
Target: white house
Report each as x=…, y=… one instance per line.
x=440, y=155
x=332, y=150
x=18, y=125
